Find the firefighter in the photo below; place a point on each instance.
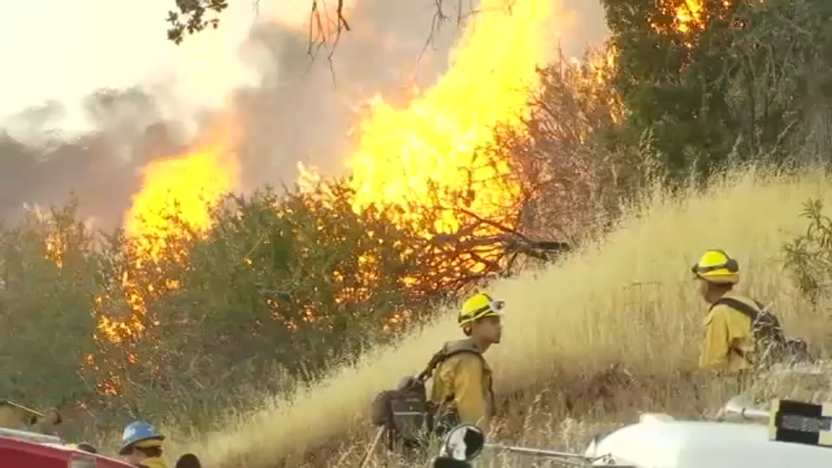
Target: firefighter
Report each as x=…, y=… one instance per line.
x=462, y=388
x=728, y=346
x=141, y=446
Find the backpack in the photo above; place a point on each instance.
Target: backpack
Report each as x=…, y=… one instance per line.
x=405, y=412
x=771, y=343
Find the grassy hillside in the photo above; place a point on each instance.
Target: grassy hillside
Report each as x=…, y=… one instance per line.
x=629, y=300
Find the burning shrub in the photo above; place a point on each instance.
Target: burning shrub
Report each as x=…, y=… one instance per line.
x=282, y=287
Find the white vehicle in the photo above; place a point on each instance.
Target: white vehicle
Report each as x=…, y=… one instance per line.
x=796, y=436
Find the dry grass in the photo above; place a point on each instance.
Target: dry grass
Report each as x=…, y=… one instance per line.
x=629, y=300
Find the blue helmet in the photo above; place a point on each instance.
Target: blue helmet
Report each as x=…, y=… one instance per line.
x=137, y=432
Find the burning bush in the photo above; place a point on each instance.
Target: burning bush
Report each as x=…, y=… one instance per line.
x=289, y=283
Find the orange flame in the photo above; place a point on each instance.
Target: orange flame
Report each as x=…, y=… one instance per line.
x=689, y=16
x=426, y=163
x=174, y=203
x=425, y=154
x=178, y=193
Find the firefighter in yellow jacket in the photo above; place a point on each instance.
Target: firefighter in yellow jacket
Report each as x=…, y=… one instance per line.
x=728, y=346
x=462, y=388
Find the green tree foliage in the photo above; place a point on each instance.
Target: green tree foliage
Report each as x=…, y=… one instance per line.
x=809, y=256
x=741, y=86
x=192, y=16
x=47, y=279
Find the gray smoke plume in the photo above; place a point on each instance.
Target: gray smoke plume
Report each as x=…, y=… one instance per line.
x=99, y=168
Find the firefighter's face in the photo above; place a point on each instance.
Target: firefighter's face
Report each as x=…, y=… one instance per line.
x=489, y=329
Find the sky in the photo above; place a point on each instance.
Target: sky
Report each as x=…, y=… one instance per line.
x=58, y=50
x=92, y=90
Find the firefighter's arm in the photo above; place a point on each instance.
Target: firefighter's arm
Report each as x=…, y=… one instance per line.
x=717, y=343
x=469, y=397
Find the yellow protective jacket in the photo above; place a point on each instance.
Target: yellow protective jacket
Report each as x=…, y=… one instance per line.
x=728, y=346
x=155, y=462
x=462, y=386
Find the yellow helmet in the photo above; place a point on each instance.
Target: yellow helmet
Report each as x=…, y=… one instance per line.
x=478, y=306
x=715, y=266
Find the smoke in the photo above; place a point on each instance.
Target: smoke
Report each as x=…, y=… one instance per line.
x=300, y=110
x=39, y=166
x=304, y=108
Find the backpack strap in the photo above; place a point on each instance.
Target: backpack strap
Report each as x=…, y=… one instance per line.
x=740, y=306
x=746, y=309
x=437, y=358
x=441, y=356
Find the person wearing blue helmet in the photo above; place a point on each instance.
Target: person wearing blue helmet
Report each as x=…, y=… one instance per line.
x=141, y=445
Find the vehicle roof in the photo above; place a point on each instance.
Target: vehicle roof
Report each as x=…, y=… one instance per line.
x=30, y=452
x=657, y=443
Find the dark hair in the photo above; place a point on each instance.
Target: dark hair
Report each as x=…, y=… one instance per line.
x=722, y=286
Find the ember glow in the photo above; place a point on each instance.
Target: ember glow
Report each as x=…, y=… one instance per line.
x=426, y=153
x=690, y=16
x=55, y=247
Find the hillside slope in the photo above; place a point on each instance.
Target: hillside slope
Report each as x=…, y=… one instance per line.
x=629, y=299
